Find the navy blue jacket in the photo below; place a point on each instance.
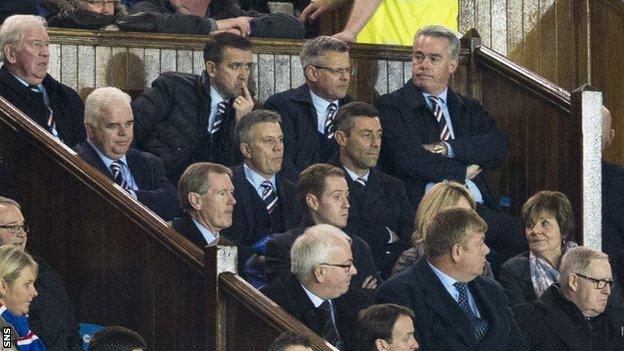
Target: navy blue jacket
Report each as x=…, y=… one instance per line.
x=155, y=191
x=299, y=125
x=440, y=323
x=408, y=124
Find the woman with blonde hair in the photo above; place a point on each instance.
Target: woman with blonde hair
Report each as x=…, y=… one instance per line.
x=442, y=195
x=18, y=272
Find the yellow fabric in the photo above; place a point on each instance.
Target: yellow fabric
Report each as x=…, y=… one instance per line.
x=396, y=21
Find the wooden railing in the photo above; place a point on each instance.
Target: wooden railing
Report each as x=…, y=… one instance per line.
x=122, y=265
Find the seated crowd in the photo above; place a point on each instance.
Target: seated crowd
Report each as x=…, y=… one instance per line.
x=327, y=221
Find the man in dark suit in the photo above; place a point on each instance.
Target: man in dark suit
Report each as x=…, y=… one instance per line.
x=380, y=212
x=612, y=202
x=206, y=195
x=308, y=111
x=455, y=307
x=109, y=121
x=184, y=118
x=317, y=292
x=51, y=316
x=431, y=134
x=267, y=202
x=323, y=191
x=25, y=82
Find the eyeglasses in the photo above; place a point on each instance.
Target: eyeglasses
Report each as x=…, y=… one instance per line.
x=16, y=228
x=346, y=266
x=600, y=283
x=338, y=71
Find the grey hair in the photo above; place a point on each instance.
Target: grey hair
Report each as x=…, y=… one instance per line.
x=195, y=179
x=14, y=27
x=312, y=248
x=312, y=50
x=100, y=98
x=437, y=31
x=576, y=260
x=7, y=201
x=244, y=126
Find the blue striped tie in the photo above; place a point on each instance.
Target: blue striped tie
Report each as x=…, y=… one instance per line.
x=445, y=133
x=216, y=125
x=115, y=168
x=269, y=196
x=329, y=120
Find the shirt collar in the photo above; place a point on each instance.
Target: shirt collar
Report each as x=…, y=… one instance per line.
x=355, y=176
x=210, y=237
x=256, y=179
x=107, y=161
x=316, y=301
x=215, y=97
x=441, y=97
x=26, y=84
x=321, y=105
x=444, y=278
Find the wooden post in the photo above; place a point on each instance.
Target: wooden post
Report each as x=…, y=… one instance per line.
x=470, y=42
x=218, y=259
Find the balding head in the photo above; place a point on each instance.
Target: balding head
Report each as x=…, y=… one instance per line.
x=607, y=131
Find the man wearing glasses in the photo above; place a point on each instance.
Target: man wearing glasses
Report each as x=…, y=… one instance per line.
x=185, y=118
x=317, y=292
x=572, y=314
x=51, y=315
x=308, y=112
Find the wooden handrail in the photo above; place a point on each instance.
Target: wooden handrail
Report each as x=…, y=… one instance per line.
x=617, y=5
x=539, y=85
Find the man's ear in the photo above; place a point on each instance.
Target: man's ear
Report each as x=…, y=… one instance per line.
x=245, y=150
x=453, y=65
x=319, y=273
x=573, y=281
x=10, y=53
x=341, y=138
x=211, y=68
x=456, y=252
x=381, y=345
x=312, y=202
x=195, y=201
x=310, y=73
x=4, y=287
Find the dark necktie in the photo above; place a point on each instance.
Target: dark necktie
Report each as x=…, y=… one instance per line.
x=115, y=168
x=216, y=125
x=329, y=333
x=51, y=122
x=269, y=196
x=361, y=181
x=329, y=120
x=480, y=325
x=445, y=134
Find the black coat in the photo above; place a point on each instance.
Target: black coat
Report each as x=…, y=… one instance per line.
x=51, y=316
x=15, y=7
x=155, y=191
x=185, y=226
x=171, y=122
x=408, y=124
x=383, y=204
x=288, y=294
x=251, y=221
x=515, y=277
x=613, y=215
x=299, y=125
x=440, y=323
x=74, y=14
x=278, y=257
x=552, y=322
x=66, y=105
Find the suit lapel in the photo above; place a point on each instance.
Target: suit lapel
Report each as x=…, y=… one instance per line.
x=187, y=227
x=248, y=195
x=373, y=190
x=90, y=155
x=454, y=106
x=138, y=169
x=443, y=304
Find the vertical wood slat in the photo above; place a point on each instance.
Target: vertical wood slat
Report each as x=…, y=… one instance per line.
x=498, y=17
x=484, y=21
x=282, y=73
x=530, y=17
x=515, y=25
x=136, y=69
x=381, y=86
x=54, y=69
x=296, y=72
x=266, y=71
x=395, y=75
x=118, y=68
x=167, y=60
x=103, y=55
x=69, y=65
x=466, y=15
x=151, y=59
x=184, y=61
x=254, y=75
x=548, y=39
x=86, y=67
x=199, y=65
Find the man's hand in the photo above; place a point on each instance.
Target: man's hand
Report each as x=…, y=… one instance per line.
x=429, y=147
x=346, y=36
x=243, y=104
x=241, y=23
x=472, y=171
x=370, y=282
x=319, y=7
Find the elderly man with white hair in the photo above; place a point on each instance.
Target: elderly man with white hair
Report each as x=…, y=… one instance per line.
x=317, y=293
x=109, y=124
x=572, y=314
x=25, y=82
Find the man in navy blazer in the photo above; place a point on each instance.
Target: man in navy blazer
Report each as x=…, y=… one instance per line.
x=380, y=212
x=455, y=307
x=266, y=202
x=431, y=134
x=308, y=111
x=109, y=123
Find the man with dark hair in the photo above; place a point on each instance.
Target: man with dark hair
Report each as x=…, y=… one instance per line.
x=206, y=195
x=432, y=134
x=184, y=118
x=308, y=111
x=109, y=124
x=117, y=339
x=386, y=327
x=267, y=202
x=455, y=307
x=290, y=341
x=380, y=212
x=51, y=315
x=323, y=192
x=25, y=82
x=317, y=291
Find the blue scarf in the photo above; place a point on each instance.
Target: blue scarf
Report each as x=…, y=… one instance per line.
x=26, y=339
